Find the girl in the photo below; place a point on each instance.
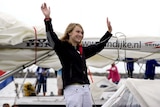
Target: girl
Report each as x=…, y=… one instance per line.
x=73, y=57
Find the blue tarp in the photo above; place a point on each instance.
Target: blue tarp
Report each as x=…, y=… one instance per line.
x=5, y=82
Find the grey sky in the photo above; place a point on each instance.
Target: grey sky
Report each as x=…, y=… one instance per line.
x=131, y=17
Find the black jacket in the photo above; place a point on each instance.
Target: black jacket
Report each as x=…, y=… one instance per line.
x=74, y=69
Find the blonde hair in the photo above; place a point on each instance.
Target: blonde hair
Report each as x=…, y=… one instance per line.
x=69, y=29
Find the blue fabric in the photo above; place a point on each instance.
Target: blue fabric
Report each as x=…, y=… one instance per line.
x=42, y=74
x=44, y=87
x=59, y=72
x=130, y=64
x=6, y=82
x=150, y=67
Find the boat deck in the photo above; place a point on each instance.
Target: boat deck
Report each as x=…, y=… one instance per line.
x=49, y=101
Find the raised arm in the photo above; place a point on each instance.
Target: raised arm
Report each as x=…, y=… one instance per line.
x=51, y=35
x=94, y=49
x=108, y=34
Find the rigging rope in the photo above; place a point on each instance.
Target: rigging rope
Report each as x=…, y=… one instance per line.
x=35, y=44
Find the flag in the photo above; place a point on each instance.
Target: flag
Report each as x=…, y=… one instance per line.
x=1, y=72
x=5, y=82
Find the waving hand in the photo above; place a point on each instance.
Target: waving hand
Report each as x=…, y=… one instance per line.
x=109, y=25
x=46, y=10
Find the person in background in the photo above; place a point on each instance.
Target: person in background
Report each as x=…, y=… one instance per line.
x=6, y=105
x=59, y=82
x=14, y=105
x=42, y=75
x=130, y=66
x=150, y=69
x=73, y=57
x=113, y=74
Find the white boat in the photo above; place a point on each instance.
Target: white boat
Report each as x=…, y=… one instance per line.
x=136, y=93
x=100, y=87
x=30, y=46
